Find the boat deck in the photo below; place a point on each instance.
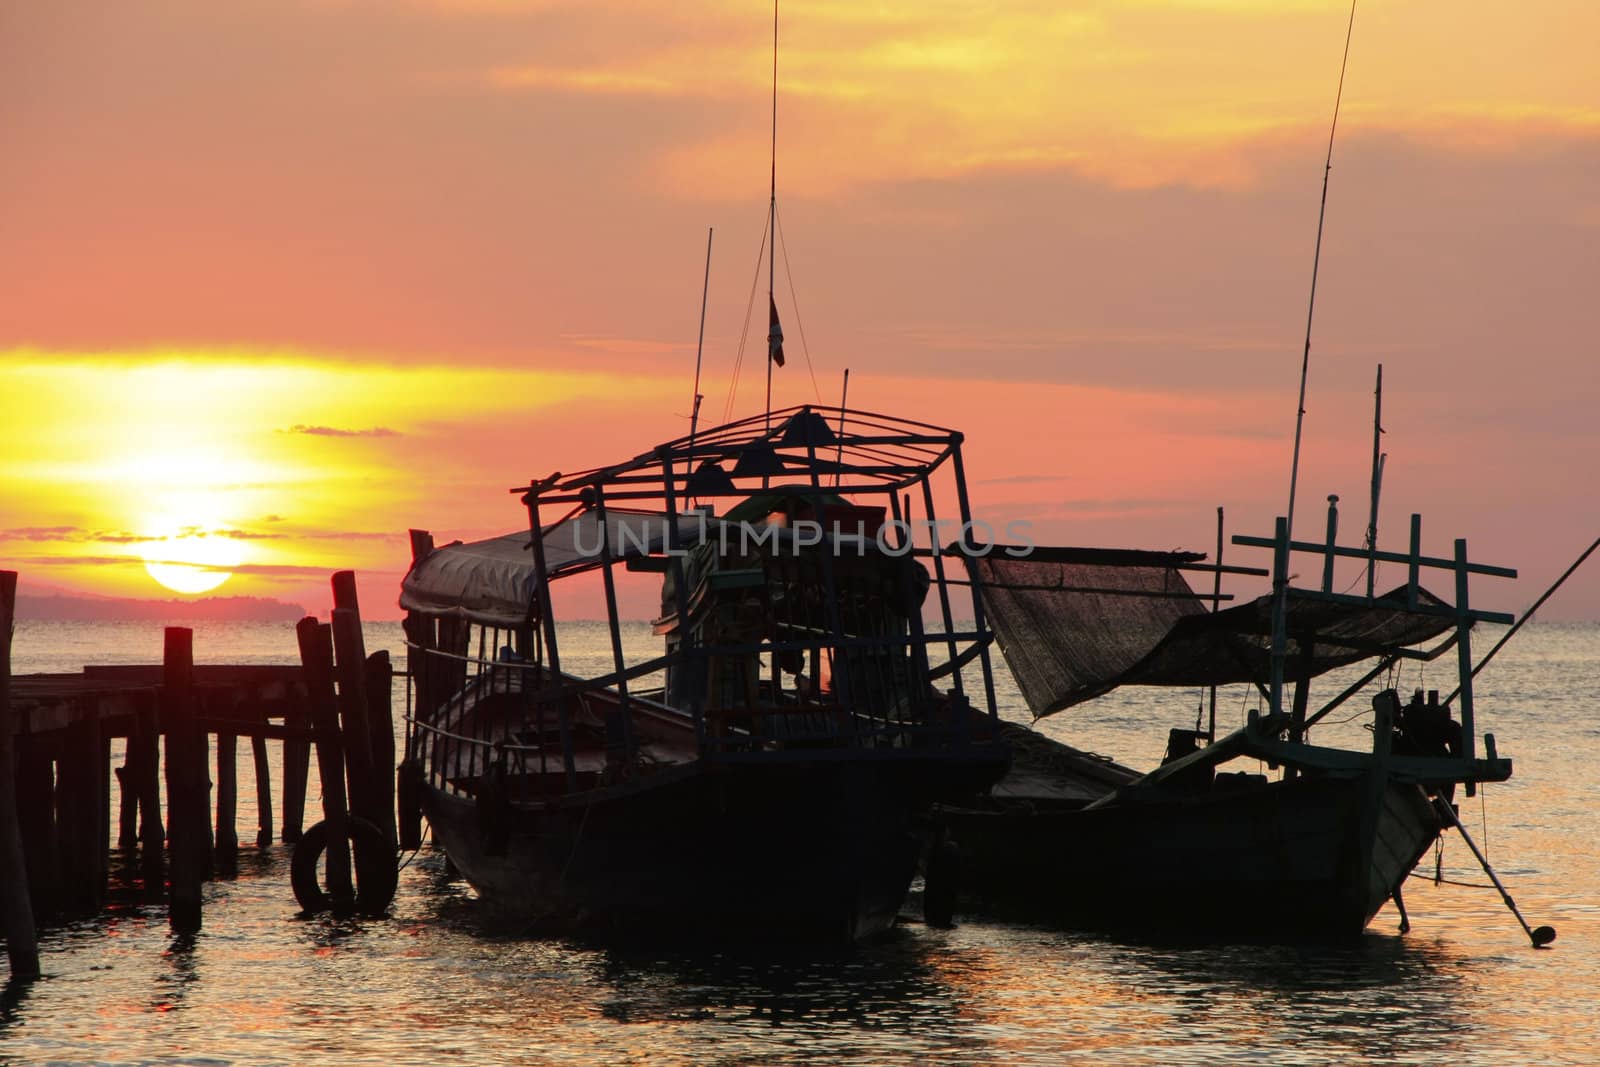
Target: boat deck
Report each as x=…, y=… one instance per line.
x=1045, y=770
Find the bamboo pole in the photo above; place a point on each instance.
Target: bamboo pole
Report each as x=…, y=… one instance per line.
x=16, y=908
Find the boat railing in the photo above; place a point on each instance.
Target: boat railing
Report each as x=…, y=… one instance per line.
x=1461, y=613
x=557, y=733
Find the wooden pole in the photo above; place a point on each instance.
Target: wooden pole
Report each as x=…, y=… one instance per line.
x=188, y=790
x=227, y=849
x=127, y=801
x=350, y=667
x=146, y=740
x=16, y=907
x=1464, y=661
x=380, y=721
x=1216, y=602
x=258, y=750
x=35, y=776
x=128, y=786
x=80, y=818
x=296, y=772
x=316, y=661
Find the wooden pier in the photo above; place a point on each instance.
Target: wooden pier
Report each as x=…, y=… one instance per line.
x=57, y=832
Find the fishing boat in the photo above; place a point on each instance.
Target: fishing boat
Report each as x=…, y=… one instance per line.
x=1259, y=834
x=765, y=769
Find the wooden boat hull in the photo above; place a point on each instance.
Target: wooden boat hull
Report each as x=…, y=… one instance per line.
x=776, y=851
x=1283, y=860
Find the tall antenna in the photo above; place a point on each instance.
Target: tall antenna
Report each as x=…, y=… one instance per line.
x=1316, y=258
x=700, y=346
x=772, y=204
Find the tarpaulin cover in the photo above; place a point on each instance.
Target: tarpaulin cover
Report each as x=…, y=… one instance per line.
x=1074, y=624
x=493, y=582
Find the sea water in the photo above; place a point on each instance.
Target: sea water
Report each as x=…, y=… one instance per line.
x=432, y=983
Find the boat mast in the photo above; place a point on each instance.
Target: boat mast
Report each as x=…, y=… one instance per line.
x=1286, y=527
x=1316, y=259
x=772, y=205
x=1377, y=482
x=699, y=348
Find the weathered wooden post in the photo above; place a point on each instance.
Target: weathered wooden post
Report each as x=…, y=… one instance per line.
x=350, y=667
x=36, y=778
x=16, y=908
x=146, y=741
x=127, y=801
x=227, y=847
x=350, y=670
x=380, y=719
x=316, y=661
x=258, y=752
x=296, y=772
x=188, y=788
x=81, y=812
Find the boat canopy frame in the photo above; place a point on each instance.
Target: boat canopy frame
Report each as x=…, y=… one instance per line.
x=811, y=454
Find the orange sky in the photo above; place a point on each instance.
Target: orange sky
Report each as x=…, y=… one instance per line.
x=283, y=279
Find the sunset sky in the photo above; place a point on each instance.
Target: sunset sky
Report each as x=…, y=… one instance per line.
x=279, y=280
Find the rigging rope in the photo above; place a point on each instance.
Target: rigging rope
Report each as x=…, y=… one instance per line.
x=795, y=300
x=744, y=334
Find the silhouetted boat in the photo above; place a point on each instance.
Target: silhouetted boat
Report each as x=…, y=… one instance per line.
x=1189, y=849
x=768, y=772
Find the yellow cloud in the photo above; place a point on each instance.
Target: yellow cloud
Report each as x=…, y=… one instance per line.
x=1137, y=92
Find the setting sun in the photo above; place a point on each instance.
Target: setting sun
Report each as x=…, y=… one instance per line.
x=191, y=558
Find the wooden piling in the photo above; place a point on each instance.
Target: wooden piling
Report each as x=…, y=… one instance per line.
x=127, y=805
x=188, y=788
x=380, y=720
x=258, y=751
x=351, y=669
x=35, y=775
x=296, y=772
x=145, y=743
x=316, y=662
x=227, y=847
x=16, y=907
x=82, y=806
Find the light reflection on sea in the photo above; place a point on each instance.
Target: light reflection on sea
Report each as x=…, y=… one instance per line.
x=432, y=984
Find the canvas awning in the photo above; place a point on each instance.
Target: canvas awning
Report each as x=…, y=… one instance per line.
x=1074, y=624
x=493, y=582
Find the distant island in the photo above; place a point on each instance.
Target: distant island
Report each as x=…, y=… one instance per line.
x=107, y=609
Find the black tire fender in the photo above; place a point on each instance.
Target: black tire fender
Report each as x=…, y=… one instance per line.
x=374, y=870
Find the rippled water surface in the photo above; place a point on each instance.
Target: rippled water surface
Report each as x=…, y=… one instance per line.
x=432, y=984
